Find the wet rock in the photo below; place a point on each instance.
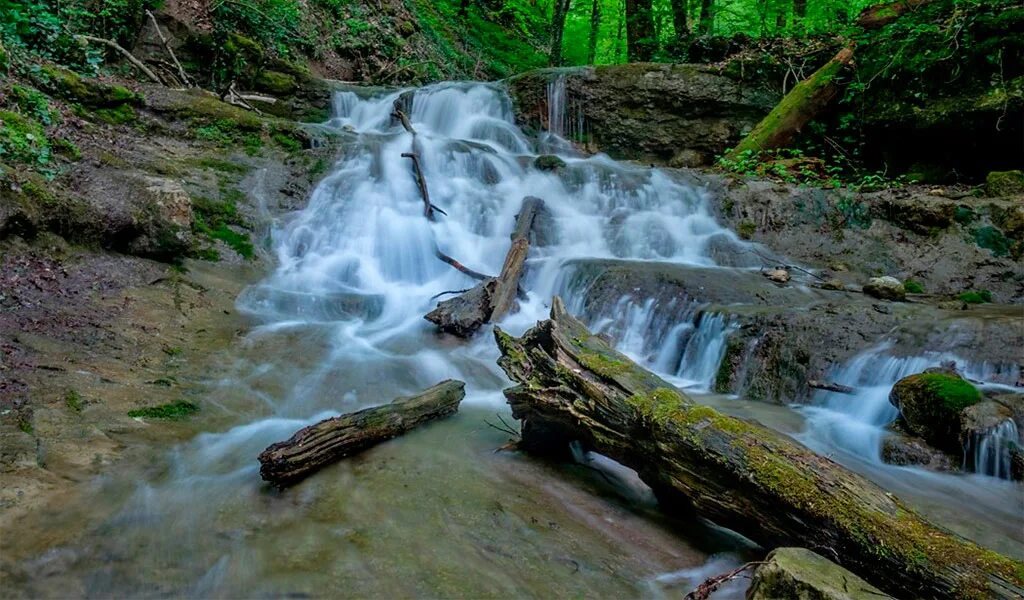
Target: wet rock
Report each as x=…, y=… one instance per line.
x=548, y=162
x=978, y=420
x=649, y=112
x=885, y=288
x=688, y=158
x=900, y=449
x=799, y=574
x=1005, y=183
x=832, y=284
x=931, y=404
x=777, y=275
x=162, y=216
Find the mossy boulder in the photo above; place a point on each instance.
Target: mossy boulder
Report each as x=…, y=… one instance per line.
x=91, y=93
x=799, y=574
x=275, y=83
x=885, y=288
x=931, y=406
x=1005, y=183
x=548, y=162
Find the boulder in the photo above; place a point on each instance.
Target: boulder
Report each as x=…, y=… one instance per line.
x=1005, y=183
x=799, y=574
x=548, y=162
x=162, y=216
x=901, y=449
x=885, y=288
x=931, y=405
x=777, y=275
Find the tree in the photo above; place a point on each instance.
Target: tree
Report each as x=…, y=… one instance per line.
x=707, y=17
x=679, y=17
x=560, y=10
x=595, y=26
x=640, y=38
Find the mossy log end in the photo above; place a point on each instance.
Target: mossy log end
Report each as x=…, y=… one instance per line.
x=314, y=447
x=573, y=386
x=880, y=15
x=796, y=108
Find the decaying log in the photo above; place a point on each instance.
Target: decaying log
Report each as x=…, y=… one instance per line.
x=330, y=440
x=494, y=297
x=796, y=108
x=880, y=15
x=831, y=386
x=403, y=118
x=573, y=386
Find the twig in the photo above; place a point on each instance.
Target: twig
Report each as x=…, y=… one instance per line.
x=181, y=71
x=459, y=266
x=421, y=181
x=704, y=590
x=136, y=62
x=502, y=429
x=445, y=293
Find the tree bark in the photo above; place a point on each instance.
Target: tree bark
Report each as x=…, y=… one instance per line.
x=573, y=386
x=797, y=108
x=640, y=40
x=314, y=447
x=880, y=15
x=680, y=17
x=595, y=26
x=561, y=9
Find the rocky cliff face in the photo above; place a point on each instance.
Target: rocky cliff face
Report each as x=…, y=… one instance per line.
x=666, y=114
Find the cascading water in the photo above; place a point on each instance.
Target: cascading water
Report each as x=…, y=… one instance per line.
x=989, y=453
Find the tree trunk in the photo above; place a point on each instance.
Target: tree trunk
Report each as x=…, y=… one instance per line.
x=561, y=9
x=880, y=15
x=640, y=40
x=799, y=106
x=573, y=386
x=330, y=440
x=680, y=17
x=707, y=17
x=595, y=26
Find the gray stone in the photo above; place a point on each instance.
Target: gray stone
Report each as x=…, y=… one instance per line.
x=799, y=574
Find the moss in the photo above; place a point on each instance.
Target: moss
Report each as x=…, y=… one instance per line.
x=601, y=364
x=287, y=142
x=548, y=162
x=89, y=92
x=913, y=287
x=659, y=405
x=25, y=425
x=66, y=148
x=746, y=229
x=276, y=83
x=930, y=405
x=976, y=297
x=1005, y=183
x=992, y=239
x=173, y=411
x=23, y=140
x=74, y=401
x=115, y=116
x=734, y=348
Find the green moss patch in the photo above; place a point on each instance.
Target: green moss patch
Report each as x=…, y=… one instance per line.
x=976, y=297
x=172, y=412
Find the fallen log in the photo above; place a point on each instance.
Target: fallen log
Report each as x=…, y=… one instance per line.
x=314, y=447
x=831, y=387
x=880, y=15
x=573, y=386
x=797, y=108
x=494, y=297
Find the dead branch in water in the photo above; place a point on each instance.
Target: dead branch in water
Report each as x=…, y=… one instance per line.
x=831, y=387
x=704, y=590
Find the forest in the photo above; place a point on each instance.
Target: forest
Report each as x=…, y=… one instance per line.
x=701, y=299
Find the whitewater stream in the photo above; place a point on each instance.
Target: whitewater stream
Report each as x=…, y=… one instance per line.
x=338, y=326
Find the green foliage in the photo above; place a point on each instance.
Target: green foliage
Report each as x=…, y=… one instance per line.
x=173, y=411
x=214, y=220
x=23, y=140
x=74, y=401
x=33, y=103
x=976, y=297
x=913, y=287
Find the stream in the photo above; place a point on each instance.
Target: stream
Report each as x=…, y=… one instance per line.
x=338, y=326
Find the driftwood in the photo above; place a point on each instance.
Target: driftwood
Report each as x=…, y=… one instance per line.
x=831, y=386
x=796, y=108
x=494, y=297
x=128, y=55
x=326, y=442
x=167, y=48
x=573, y=386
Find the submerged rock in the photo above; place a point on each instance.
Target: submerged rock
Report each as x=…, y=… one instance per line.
x=548, y=162
x=931, y=405
x=900, y=449
x=886, y=288
x=799, y=574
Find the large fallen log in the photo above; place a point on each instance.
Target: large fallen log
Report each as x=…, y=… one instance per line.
x=494, y=297
x=796, y=108
x=330, y=440
x=573, y=386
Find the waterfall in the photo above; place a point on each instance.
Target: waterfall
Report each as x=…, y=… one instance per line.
x=989, y=453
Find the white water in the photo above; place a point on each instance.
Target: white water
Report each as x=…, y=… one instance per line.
x=990, y=454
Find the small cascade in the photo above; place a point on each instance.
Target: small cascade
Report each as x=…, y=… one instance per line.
x=989, y=453
x=565, y=118
x=704, y=350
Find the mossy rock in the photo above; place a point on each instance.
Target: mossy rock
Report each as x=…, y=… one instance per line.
x=81, y=90
x=931, y=405
x=1005, y=183
x=799, y=574
x=276, y=83
x=548, y=162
